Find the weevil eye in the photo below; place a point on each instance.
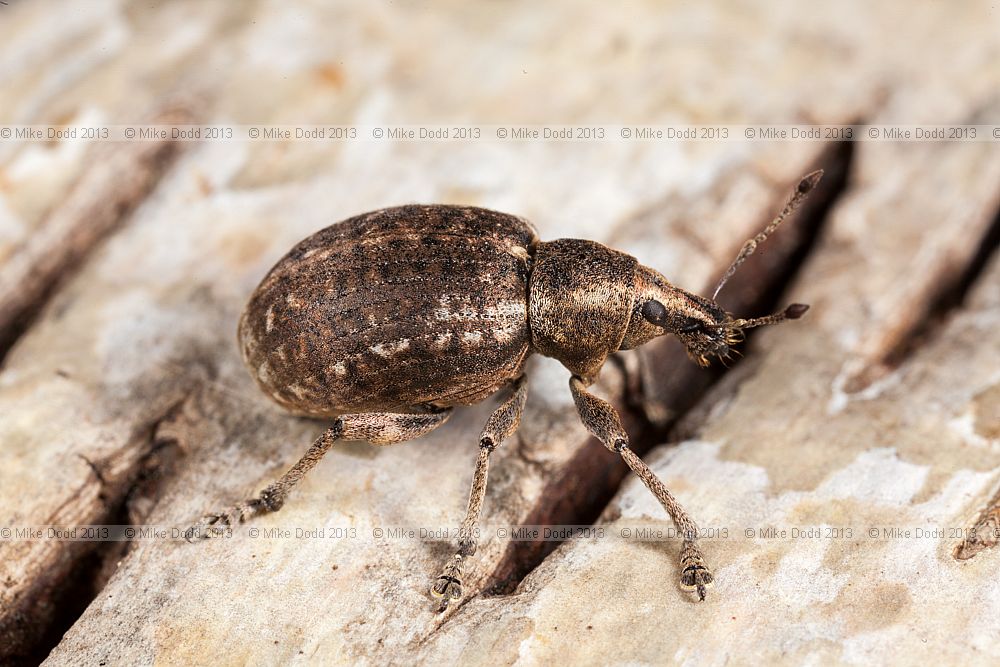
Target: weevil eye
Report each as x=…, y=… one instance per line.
x=654, y=312
x=690, y=325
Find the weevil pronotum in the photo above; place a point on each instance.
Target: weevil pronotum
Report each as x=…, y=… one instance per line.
x=386, y=321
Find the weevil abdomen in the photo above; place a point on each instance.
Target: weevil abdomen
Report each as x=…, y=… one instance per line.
x=406, y=306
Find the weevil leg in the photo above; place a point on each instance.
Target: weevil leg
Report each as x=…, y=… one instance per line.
x=378, y=428
x=603, y=422
x=500, y=426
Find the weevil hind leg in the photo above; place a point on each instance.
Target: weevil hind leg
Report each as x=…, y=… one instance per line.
x=603, y=422
x=378, y=428
x=500, y=426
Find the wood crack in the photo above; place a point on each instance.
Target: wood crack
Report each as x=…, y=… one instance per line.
x=984, y=534
x=33, y=621
x=948, y=297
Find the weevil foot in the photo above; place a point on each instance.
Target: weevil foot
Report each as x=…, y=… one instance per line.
x=446, y=589
x=214, y=524
x=696, y=576
x=448, y=586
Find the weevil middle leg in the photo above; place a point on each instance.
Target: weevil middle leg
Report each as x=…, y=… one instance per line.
x=500, y=426
x=603, y=422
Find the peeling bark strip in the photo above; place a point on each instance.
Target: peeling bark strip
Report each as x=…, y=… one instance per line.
x=119, y=179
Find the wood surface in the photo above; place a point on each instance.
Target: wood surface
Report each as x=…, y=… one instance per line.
x=124, y=401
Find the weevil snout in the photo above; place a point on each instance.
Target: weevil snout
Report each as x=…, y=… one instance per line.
x=705, y=329
x=713, y=340
x=699, y=323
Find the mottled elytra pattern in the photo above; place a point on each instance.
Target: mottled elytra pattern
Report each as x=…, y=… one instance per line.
x=408, y=306
x=387, y=320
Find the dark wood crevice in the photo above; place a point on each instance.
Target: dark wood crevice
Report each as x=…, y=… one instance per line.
x=38, y=620
x=948, y=298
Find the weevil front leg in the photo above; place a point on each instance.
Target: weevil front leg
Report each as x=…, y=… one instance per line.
x=501, y=425
x=603, y=422
x=378, y=428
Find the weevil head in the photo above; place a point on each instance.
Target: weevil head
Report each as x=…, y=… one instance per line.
x=705, y=329
x=660, y=308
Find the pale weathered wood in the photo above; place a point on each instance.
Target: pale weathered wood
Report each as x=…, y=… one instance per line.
x=118, y=178
x=134, y=368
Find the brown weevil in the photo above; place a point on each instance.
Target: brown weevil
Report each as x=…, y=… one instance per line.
x=387, y=321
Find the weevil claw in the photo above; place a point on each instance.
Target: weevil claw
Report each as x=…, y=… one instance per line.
x=214, y=525
x=448, y=586
x=697, y=577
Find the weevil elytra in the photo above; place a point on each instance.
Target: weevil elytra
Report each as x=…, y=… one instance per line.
x=387, y=321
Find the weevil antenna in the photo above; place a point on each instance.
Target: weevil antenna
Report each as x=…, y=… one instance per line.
x=806, y=185
x=792, y=312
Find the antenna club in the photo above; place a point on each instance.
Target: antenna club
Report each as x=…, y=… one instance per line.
x=809, y=181
x=796, y=310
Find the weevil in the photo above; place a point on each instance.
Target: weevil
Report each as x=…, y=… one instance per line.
x=387, y=321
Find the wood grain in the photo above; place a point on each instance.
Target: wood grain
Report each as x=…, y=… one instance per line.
x=126, y=400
